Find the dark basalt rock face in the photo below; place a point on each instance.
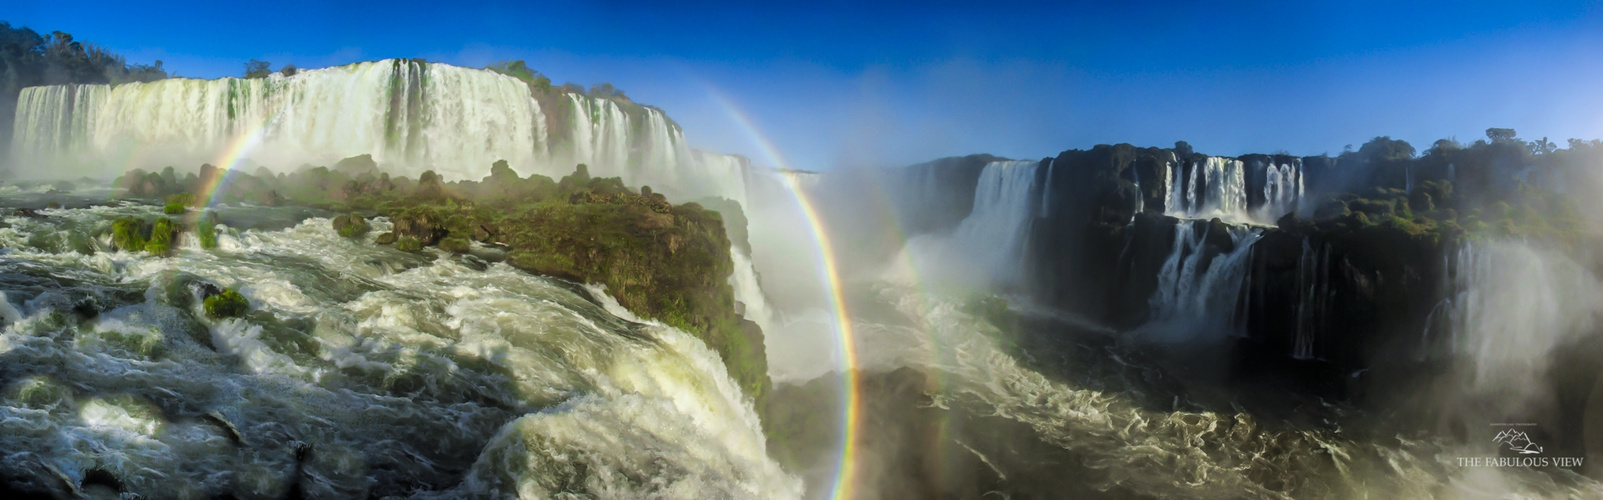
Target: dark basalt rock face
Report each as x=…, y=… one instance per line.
x=1337, y=301
x=1356, y=293
x=1075, y=246
x=937, y=195
x=1149, y=241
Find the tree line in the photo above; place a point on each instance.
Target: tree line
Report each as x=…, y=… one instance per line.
x=29, y=59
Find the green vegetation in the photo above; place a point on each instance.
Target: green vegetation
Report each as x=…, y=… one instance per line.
x=408, y=244
x=162, y=236
x=174, y=209
x=352, y=225
x=662, y=261
x=520, y=70
x=28, y=59
x=258, y=69
x=227, y=304
x=183, y=199
x=1489, y=189
x=206, y=230
x=455, y=244
x=128, y=234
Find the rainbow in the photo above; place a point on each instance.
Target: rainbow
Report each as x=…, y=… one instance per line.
x=851, y=418
x=249, y=138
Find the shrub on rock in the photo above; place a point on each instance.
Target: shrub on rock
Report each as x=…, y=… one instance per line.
x=162, y=236
x=351, y=225
x=228, y=304
x=408, y=244
x=128, y=234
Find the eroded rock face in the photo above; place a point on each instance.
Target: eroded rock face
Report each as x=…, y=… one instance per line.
x=425, y=226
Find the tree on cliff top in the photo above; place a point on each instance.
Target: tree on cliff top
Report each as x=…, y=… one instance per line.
x=1500, y=134
x=520, y=70
x=258, y=69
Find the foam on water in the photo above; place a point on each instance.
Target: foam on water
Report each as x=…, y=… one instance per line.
x=360, y=371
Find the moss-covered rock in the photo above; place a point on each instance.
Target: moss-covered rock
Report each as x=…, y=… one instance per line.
x=408, y=244
x=670, y=263
x=206, y=230
x=183, y=200
x=129, y=234
x=227, y=304
x=661, y=261
x=424, y=223
x=163, y=237
x=352, y=225
x=455, y=244
x=174, y=209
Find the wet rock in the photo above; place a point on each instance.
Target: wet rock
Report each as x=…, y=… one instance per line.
x=203, y=290
x=351, y=225
x=423, y=225
x=455, y=244
x=227, y=304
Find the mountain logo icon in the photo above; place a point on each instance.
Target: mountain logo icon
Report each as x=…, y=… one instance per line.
x=1517, y=441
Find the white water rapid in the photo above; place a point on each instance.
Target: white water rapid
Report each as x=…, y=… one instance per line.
x=360, y=371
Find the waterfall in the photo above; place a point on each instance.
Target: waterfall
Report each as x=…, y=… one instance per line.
x=1217, y=187
x=1046, y=190
x=1002, y=215
x=720, y=175
x=1168, y=186
x=1197, y=283
x=600, y=135
x=750, y=293
x=1282, y=191
x=1313, y=301
x=408, y=115
x=1140, y=196
x=987, y=247
x=1512, y=304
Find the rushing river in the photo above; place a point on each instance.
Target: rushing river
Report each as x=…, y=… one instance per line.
x=361, y=371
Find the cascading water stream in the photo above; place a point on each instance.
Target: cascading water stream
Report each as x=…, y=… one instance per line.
x=987, y=248
x=1200, y=282
x=1511, y=305
x=361, y=371
x=1217, y=187
x=408, y=115
x=1314, y=300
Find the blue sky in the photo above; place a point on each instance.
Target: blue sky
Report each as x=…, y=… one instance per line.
x=844, y=83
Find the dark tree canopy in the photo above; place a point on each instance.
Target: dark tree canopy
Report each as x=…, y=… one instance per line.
x=605, y=90
x=1385, y=148
x=520, y=70
x=258, y=69
x=28, y=59
x=1500, y=134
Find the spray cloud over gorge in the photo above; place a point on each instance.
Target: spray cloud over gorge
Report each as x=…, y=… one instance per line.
x=400, y=278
